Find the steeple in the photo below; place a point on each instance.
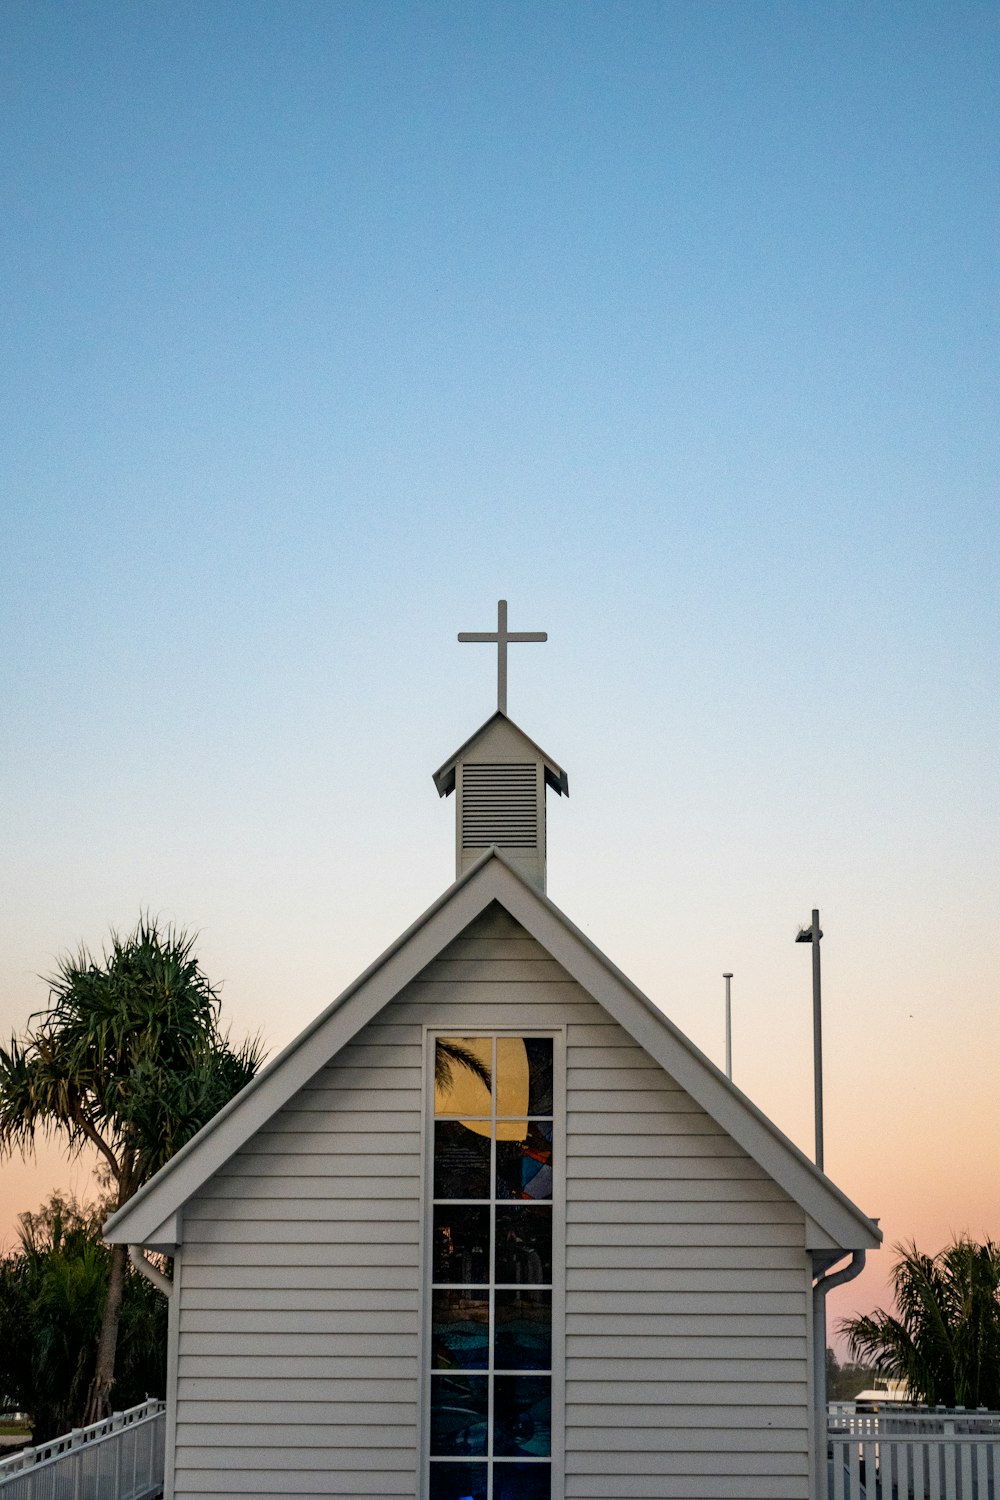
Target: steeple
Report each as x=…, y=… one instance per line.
x=499, y=775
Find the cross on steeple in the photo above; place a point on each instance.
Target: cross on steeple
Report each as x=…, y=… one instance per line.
x=501, y=638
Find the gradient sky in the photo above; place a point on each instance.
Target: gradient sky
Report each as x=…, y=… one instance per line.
x=326, y=325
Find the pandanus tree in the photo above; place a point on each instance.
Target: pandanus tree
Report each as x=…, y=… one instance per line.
x=131, y=1060
x=943, y=1342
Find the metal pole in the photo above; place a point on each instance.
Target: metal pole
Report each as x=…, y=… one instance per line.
x=813, y=934
x=729, y=1029
x=817, y=1038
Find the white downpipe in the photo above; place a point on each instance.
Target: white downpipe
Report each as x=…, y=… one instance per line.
x=821, y=1286
x=145, y=1267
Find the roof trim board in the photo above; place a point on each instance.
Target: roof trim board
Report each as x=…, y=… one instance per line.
x=492, y=878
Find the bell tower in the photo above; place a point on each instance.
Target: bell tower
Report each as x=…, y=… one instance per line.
x=499, y=777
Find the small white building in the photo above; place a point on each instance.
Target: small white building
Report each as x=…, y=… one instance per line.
x=579, y=1264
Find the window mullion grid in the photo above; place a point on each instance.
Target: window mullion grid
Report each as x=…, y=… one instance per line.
x=492, y=1270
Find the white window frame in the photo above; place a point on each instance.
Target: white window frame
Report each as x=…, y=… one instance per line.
x=558, y=1038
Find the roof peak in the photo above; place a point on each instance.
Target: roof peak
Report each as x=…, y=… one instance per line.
x=147, y=1218
x=555, y=776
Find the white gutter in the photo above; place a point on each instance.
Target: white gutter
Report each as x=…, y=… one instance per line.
x=145, y=1267
x=821, y=1286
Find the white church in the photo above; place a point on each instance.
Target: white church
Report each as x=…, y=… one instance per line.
x=492, y=1228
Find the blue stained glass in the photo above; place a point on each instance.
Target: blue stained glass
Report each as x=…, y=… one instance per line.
x=461, y=1326
x=458, y=1482
x=524, y=1168
x=522, y=1416
x=522, y=1482
x=459, y=1410
x=522, y=1338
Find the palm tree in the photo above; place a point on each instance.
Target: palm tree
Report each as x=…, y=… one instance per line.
x=944, y=1343
x=447, y=1054
x=57, y=1281
x=52, y=1292
x=129, y=1059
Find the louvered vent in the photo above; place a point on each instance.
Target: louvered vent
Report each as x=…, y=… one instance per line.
x=499, y=805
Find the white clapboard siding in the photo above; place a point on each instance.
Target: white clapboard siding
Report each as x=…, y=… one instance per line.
x=684, y=1427
x=298, y=1299
x=696, y=1208
x=335, y=1322
x=311, y=1208
x=686, y=1296
x=211, y=1418
x=299, y=1282
x=704, y=1304
x=291, y=1480
x=681, y=1324
x=686, y=1486
x=289, y=1435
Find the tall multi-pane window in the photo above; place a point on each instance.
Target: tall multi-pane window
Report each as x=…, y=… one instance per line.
x=491, y=1339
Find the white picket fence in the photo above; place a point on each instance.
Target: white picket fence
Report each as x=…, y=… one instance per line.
x=913, y=1453
x=120, y=1458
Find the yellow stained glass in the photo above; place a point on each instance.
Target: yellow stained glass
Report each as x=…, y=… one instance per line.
x=512, y=1087
x=460, y=1087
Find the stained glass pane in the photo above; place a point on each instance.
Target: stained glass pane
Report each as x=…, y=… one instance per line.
x=461, y=1248
x=522, y=1481
x=459, y=1407
x=522, y=1336
x=461, y=1160
x=490, y=1380
x=461, y=1328
x=522, y=1416
x=539, y=1053
x=463, y=1075
x=459, y=1482
x=513, y=1080
x=524, y=1244
x=524, y=1167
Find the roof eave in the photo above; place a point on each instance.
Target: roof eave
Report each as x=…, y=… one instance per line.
x=555, y=776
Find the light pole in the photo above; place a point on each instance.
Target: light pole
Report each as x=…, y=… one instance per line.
x=813, y=934
x=729, y=1029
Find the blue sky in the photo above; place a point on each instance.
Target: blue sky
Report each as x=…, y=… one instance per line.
x=327, y=325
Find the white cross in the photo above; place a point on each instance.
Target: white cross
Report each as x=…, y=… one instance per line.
x=501, y=638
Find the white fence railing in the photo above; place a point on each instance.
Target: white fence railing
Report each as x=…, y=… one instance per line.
x=913, y=1453
x=120, y=1458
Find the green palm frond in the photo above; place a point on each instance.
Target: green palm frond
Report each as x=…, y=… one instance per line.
x=448, y=1054
x=944, y=1342
x=129, y=1059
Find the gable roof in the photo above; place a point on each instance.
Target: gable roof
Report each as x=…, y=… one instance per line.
x=150, y=1217
x=555, y=776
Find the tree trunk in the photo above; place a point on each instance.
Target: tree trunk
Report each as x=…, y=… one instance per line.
x=99, y=1396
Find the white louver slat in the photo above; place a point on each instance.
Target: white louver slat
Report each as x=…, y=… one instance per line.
x=499, y=805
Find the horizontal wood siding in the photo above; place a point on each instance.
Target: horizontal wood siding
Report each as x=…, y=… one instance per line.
x=299, y=1319
x=686, y=1332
